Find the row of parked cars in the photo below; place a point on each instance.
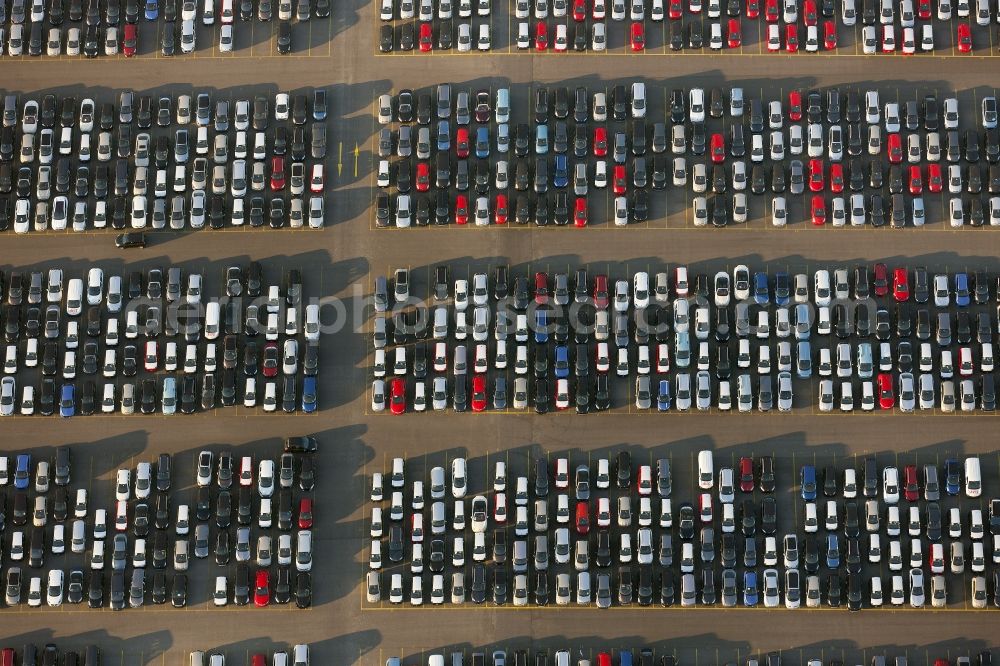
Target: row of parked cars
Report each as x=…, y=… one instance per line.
x=158, y=340
x=630, y=657
x=92, y=29
x=934, y=348
x=297, y=656
x=153, y=539
x=811, y=153
x=163, y=162
x=659, y=546
x=50, y=653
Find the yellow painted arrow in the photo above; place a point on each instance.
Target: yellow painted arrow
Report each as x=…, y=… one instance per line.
x=340, y=158
x=357, y=152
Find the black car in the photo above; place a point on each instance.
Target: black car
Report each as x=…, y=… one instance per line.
x=95, y=590
x=178, y=593
x=303, y=590
x=241, y=585
x=283, y=586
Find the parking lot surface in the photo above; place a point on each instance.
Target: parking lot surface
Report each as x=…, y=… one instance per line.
x=340, y=260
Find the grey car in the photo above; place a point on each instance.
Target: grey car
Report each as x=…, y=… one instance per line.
x=603, y=590
x=729, y=593
x=201, y=540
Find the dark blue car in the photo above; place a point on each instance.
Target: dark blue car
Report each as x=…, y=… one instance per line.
x=67, y=400
x=962, y=290
x=761, y=293
x=309, y=395
x=482, y=143
x=952, y=476
x=22, y=472
x=541, y=327
x=663, y=396
x=562, y=362
x=750, y=594
x=152, y=10
x=560, y=177
x=808, y=482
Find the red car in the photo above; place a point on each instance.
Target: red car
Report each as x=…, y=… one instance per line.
x=818, y=210
x=916, y=180
x=541, y=288
x=582, y=518
x=895, y=149
x=277, y=173
x=397, y=398
x=795, y=106
x=675, y=9
x=816, y=175
x=270, y=363
x=746, y=474
x=809, y=12
x=600, y=142
x=924, y=9
x=541, y=36
x=718, y=148
x=579, y=10
x=580, y=212
x=771, y=11
x=753, y=9
x=735, y=37
x=836, y=177
x=258, y=660
x=964, y=38
x=792, y=38
x=305, y=513
x=478, y=392
x=638, y=36
x=935, y=182
x=261, y=589
x=900, y=285
x=462, y=142
x=426, y=37
x=461, y=209
x=911, y=487
x=886, y=400
x=500, y=216
x=601, y=292
x=829, y=35
x=881, y=281
x=130, y=40
x=423, y=177
x=619, y=181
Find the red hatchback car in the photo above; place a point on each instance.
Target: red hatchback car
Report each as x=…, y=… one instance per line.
x=795, y=106
x=461, y=209
x=261, y=589
x=269, y=364
x=675, y=9
x=735, y=35
x=792, y=38
x=600, y=142
x=582, y=518
x=478, y=393
x=305, y=513
x=601, y=292
x=638, y=36
x=500, y=215
x=397, y=398
x=619, y=180
x=818, y=209
x=935, y=181
x=836, y=177
x=964, y=38
x=895, y=145
x=746, y=474
x=809, y=14
x=423, y=179
x=426, y=37
x=718, y=148
x=579, y=10
x=816, y=175
x=541, y=36
x=916, y=180
x=753, y=9
x=886, y=399
x=541, y=288
x=277, y=173
x=900, y=285
x=881, y=280
x=771, y=11
x=130, y=41
x=580, y=212
x=829, y=35
x=911, y=487
x=462, y=142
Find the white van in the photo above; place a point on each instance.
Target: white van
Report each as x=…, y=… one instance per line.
x=638, y=100
x=212, y=315
x=706, y=473
x=74, y=297
x=973, y=477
